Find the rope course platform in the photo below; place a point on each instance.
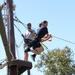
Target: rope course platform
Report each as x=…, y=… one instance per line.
x=21, y=65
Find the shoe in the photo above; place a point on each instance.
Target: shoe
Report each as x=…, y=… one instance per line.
x=27, y=50
x=33, y=57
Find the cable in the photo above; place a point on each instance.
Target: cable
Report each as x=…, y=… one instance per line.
x=18, y=29
x=16, y=19
x=64, y=40
x=17, y=52
x=20, y=44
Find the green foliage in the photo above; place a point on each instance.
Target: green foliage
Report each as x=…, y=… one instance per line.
x=56, y=62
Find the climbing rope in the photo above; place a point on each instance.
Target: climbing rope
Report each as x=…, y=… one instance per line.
x=64, y=40
x=17, y=20
x=16, y=46
x=18, y=29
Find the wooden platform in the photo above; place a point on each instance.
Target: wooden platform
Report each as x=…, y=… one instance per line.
x=22, y=65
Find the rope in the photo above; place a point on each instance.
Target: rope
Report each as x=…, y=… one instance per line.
x=16, y=19
x=17, y=51
x=64, y=40
x=20, y=44
x=19, y=31
x=16, y=46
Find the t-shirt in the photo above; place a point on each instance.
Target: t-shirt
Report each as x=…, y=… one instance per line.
x=29, y=35
x=42, y=31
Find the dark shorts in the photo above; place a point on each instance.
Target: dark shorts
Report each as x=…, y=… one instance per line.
x=36, y=45
x=27, y=41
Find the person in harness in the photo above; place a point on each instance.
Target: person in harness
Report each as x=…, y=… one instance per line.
x=28, y=38
x=42, y=32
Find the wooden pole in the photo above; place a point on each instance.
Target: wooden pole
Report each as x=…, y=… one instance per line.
x=11, y=70
x=4, y=38
x=14, y=67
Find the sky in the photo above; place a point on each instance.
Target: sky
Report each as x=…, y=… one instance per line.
x=60, y=15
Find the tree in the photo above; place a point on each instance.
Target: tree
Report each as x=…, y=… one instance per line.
x=57, y=62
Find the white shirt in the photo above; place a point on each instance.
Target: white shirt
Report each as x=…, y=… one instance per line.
x=29, y=35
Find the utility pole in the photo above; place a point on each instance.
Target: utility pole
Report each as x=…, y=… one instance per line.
x=11, y=69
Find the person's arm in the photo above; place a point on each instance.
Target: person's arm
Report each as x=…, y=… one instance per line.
x=46, y=37
x=33, y=33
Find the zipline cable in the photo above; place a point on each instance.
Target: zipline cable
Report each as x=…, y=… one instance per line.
x=64, y=40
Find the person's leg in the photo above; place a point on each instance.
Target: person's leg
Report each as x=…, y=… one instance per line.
x=34, y=42
x=41, y=49
x=37, y=48
x=37, y=51
x=25, y=56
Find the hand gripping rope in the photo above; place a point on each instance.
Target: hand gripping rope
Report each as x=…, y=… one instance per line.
x=47, y=38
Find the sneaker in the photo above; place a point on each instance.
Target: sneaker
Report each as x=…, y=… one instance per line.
x=27, y=50
x=33, y=57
